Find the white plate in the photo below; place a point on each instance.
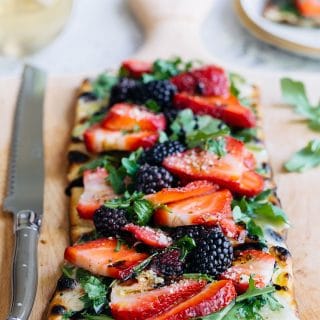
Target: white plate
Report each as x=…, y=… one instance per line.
x=307, y=37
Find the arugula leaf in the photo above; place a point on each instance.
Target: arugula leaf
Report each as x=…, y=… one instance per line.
x=245, y=135
x=165, y=69
x=200, y=131
x=102, y=85
x=142, y=265
x=251, y=211
x=67, y=315
x=139, y=209
x=87, y=316
x=186, y=245
x=95, y=292
x=217, y=146
x=116, y=178
x=198, y=276
x=163, y=137
x=253, y=291
x=96, y=118
x=251, y=226
x=143, y=210
x=120, y=242
x=131, y=163
x=241, y=89
x=294, y=93
x=152, y=105
x=306, y=158
x=97, y=163
x=68, y=270
x=185, y=122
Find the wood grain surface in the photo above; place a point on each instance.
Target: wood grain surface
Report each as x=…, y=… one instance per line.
x=285, y=133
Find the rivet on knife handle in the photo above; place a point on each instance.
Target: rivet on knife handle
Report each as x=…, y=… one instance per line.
x=25, y=269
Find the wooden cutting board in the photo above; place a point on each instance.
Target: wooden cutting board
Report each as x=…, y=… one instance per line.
x=285, y=134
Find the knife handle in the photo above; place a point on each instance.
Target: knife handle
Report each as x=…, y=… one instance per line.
x=25, y=266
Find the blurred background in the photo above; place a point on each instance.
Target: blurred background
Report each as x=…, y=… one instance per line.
x=99, y=34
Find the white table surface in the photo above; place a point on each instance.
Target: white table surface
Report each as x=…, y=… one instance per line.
x=101, y=33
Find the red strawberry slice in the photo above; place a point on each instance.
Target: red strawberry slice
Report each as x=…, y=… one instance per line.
x=192, y=189
x=96, y=192
x=255, y=263
x=124, y=116
x=205, y=209
x=206, y=81
x=102, y=257
x=136, y=68
x=214, y=297
x=227, y=109
x=152, y=237
x=229, y=171
x=308, y=8
x=98, y=139
x=143, y=305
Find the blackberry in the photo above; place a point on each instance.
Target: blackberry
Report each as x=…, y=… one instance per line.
x=122, y=91
x=167, y=264
x=151, y=179
x=156, y=154
x=139, y=94
x=162, y=91
x=212, y=255
x=196, y=232
x=109, y=221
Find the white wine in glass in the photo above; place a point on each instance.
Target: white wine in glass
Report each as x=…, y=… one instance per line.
x=28, y=25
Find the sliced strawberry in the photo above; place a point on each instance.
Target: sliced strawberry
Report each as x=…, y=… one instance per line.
x=205, y=209
x=96, y=192
x=309, y=8
x=104, y=258
x=98, y=139
x=230, y=171
x=125, y=116
x=255, y=263
x=214, y=297
x=136, y=68
x=227, y=109
x=232, y=230
x=206, y=81
x=192, y=189
x=143, y=305
x=152, y=237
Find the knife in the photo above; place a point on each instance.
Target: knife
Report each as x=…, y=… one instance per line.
x=25, y=190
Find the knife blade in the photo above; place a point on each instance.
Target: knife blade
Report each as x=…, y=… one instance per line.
x=25, y=189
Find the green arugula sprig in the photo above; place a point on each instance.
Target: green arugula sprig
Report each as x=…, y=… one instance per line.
x=294, y=93
x=87, y=316
x=129, y=166
x=101, y=162
x=102, y=85
x=248, y=305
x=200, y=131
x=139, y=209
x=95, y=288
x=165, y=69
x=239, y=88
x=306, y=158
x=186, y=244
x=198, y=276
x=116, y=173
x=251, y=211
